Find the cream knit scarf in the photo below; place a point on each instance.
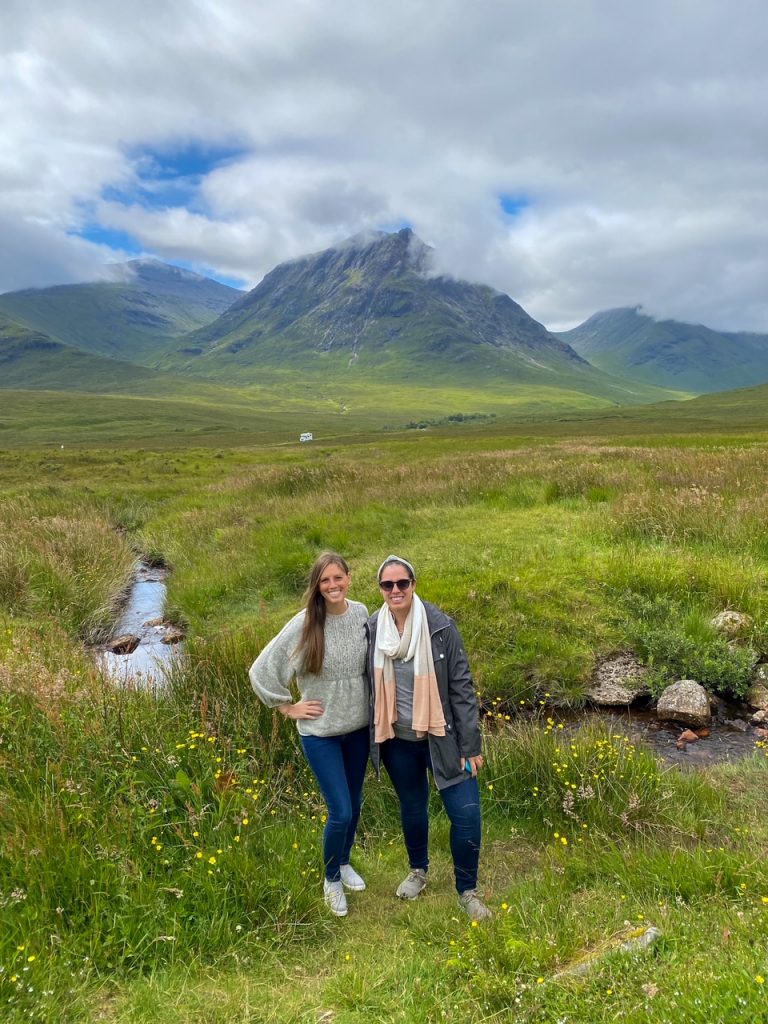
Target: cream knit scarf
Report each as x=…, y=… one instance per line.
x=413, y=644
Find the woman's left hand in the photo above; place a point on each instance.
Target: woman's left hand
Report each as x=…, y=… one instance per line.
x=476, y=763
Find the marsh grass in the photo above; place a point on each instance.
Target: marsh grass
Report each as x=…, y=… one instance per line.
x=132, y=839
x=570, y=787
x=549, y=556
x=71, y=568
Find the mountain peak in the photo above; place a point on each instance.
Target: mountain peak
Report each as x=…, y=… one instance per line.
x=148, y=268
x=388, y=251
x=371, y=301
x=151, y=301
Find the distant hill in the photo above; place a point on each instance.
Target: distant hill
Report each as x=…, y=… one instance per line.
x=667, y=353
x=741, y=411
x=373, y=308
x=133, y=317
x=32, y=360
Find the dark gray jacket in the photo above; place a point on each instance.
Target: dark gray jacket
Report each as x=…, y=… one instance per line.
x=457, y=695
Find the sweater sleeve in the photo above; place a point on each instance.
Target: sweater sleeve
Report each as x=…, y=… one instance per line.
x=275, y=667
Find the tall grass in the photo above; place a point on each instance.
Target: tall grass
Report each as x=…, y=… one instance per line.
x=72, y=568
x=594, y=782
x=146, y=838
x=133, y=838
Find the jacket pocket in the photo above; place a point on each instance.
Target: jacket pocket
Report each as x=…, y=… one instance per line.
x=445, y=754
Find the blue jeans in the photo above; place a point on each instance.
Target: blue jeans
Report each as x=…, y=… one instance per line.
x=339, y=764
x=407, y=763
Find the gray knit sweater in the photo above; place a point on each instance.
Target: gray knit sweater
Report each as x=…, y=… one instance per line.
x=341, y=684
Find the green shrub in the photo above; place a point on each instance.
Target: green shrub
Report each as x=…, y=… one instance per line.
x=672, y=654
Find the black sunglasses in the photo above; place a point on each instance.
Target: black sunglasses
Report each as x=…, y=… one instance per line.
x=389, y=585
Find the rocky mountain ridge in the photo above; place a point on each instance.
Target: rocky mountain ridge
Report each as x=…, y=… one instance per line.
x=375, y=304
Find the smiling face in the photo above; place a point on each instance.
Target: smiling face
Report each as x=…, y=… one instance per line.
x=333, y=586
x=398, y=601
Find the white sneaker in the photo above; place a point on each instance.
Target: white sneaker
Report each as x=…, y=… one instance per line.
x=351, y=879
x=335, y=900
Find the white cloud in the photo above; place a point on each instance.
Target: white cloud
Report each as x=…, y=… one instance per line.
x=635, y=132
x=35, y=255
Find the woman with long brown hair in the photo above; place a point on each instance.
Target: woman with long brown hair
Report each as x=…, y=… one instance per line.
x=323, y=648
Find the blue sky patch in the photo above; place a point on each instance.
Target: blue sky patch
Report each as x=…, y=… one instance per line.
x=513, y=205
x=190, y=160
x=170, y=175
x=114, y=238
x=233, y=282
x=164, y=176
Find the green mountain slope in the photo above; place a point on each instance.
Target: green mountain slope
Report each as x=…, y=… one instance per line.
x=134, y=317
x=688, y=357
x=32, y=360
x=372, y=310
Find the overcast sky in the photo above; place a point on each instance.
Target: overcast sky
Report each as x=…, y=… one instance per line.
x=576, y=154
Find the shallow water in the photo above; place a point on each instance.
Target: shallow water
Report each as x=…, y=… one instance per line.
x=725, y=742
x=147, y=667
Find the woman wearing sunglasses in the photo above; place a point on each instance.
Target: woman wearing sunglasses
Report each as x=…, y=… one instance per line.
x=323, y=648
x=426, y=719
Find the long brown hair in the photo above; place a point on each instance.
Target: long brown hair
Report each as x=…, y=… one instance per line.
x=312, y=642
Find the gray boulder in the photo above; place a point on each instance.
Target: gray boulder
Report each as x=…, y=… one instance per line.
x=685, y=701
x=620, y=680
x=757, y=695
x=731, y=624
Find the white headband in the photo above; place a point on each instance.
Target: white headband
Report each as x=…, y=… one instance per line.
x=396, y=558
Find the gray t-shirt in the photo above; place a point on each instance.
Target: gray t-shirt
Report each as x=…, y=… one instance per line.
x=340, y=685
x=403, y=727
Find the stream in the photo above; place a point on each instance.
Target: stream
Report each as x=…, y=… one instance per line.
x=731, y=737
x=155, y=644
x=147, y=663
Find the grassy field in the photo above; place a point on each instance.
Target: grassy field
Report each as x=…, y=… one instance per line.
x=159, y=857
x=161, y=411
x=123, y=406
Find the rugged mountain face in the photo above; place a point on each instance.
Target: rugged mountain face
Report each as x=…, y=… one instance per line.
x=134, y=316
x=369, y=314
x=688, y=357
x=373, y=302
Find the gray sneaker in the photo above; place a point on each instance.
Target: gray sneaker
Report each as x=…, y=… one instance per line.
x=413, y=885
x=473, y=906
x=351, y=879
x=335, y=898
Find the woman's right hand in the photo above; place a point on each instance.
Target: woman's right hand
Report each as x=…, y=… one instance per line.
x=302, y=709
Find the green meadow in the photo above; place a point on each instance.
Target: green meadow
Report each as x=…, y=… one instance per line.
x=159, y=853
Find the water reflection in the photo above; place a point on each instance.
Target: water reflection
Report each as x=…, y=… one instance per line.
x=148, y=665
